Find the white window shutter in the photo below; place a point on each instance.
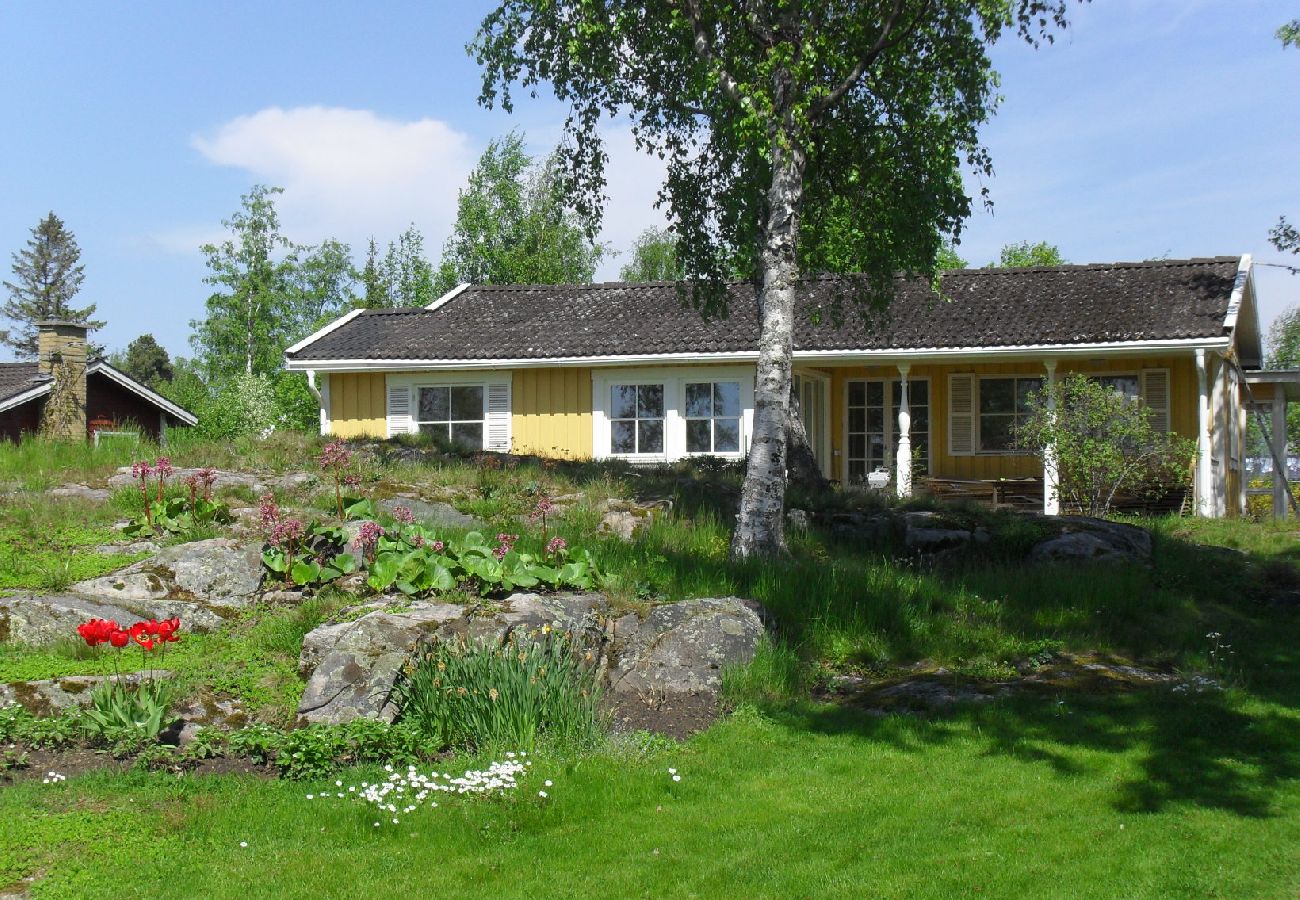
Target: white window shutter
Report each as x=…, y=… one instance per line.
x=497, y=434
x=399, y=410
x=1155, y=394
x=961, y=415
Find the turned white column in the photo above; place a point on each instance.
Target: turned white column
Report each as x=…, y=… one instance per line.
x=903, y=462
x=1051, y=471
x=1204, y=454
x=1279, y=453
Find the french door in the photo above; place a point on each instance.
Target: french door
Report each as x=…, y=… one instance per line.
x=871, y=425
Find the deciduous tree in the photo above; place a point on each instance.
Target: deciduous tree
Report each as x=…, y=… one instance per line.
x=653, y=258
x=515, y=224
x=776, y=120
x=1023, y=253
x=47, y=275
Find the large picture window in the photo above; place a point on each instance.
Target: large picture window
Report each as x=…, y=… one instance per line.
x=636, y=418
x=713, y=417
x=1004, y=404
x=453, y=413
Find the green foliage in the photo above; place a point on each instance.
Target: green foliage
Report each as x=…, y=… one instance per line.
x=515, y=224
x=1289, y=33
x=121, y=711
x=18, y=726
x=179, y=516
x=499, y=696
x=1104, y=444
x=654, y=258
x=319, y=750
x=949, y=259
x=245, y=406
x=1024, y=253
x=47, y=275
x=146, y=361
x=406, y=274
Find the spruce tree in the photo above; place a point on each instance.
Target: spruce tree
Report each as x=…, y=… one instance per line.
x=47, y=275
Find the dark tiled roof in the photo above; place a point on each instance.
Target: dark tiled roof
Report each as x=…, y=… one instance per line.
x=1163, y=300
x=17, y=377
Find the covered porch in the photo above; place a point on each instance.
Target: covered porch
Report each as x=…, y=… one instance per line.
x=1270, y=392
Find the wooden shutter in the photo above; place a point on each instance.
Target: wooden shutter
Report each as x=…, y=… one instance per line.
x=961, y=415
x=496, y=436
x=399, y=410
x=1155, y=394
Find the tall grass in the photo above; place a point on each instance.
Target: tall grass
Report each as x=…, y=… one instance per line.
x=503, y=696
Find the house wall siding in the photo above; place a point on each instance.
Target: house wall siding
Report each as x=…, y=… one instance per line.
x=1182, y=412
x=551, y=412
x=357, y=406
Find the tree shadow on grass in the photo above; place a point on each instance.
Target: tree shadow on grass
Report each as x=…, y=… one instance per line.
x=1212, y=750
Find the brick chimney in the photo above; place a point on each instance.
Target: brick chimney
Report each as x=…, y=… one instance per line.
x=61, y=354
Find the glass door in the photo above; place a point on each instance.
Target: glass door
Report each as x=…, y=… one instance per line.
x=867, y=424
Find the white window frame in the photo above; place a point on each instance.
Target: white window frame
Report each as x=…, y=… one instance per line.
x=674, y=380
x=637, y=419
x=979, y=416
x=740, y=415
x=489, y=380
x=481, y=421
x=891, y=422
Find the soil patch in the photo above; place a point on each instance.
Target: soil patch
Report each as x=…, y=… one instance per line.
x=677, y=716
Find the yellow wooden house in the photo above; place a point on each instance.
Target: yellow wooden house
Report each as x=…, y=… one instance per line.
x=929, y=392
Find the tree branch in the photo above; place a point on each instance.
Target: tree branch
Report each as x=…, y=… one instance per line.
x=883, y=43
x=704, y=50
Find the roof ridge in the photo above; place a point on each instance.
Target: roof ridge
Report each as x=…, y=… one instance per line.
x=1095, y=267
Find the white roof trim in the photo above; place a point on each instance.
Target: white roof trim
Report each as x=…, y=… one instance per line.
x=320, y=333
x=1238, y=292
x=935, y=354
x=103, y=368
x=26, y=396
x=448, y=297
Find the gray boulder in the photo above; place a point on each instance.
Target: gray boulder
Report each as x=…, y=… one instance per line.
x=81, y=492
x=928, y=533
x=624, y=518
x=682, y=648
x=223, y=480
x=434, y=515
x=1084, y=539
x=46, y=620
x=203, y=582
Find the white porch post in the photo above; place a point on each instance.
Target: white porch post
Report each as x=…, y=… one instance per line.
x=1280, y=505
x=903, y=463
x=1051, y=473
x=1204, y=452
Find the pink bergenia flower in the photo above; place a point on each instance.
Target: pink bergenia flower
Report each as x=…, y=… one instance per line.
x=367, y=539
x=141, y=470
x=335, y=455
x=438, y=546
x=541, y=510
x=417, y=541
x=556, y=545
x=505, y=543
x=288, y=533
x=268, y=512
x=162, y=467
x=403, y=515
x=351, y=481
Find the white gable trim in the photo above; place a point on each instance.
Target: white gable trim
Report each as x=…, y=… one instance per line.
x=448, y=297
x=26, y=396
x=320, y=333
x=135, y=387
x=1238, y=292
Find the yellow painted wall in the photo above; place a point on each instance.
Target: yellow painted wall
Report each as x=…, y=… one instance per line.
x=357, y=404
x=1182, y=412
x=552, y=412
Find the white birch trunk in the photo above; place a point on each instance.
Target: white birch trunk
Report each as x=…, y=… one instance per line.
x=760, y=525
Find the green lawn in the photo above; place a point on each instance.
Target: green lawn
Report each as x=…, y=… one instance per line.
x=1140, y=796
x=1141, y=792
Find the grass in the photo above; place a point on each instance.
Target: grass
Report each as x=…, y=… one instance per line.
x=44, y=543
x=1139, y=793
x=1131, y=798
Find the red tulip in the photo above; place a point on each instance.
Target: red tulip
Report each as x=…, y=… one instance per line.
x=118, y=638
x=145, y=642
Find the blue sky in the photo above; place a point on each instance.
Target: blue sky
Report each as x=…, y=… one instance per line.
x=1152, y=127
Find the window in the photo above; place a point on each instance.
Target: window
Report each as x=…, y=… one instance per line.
x=872, y=426
x=636, y=415
x=453, y=413
x=713, y=417
x=1126, y=385
x=1004, y=404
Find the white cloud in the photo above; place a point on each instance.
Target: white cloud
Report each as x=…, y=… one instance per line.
x=349, y=173
x=633, y=181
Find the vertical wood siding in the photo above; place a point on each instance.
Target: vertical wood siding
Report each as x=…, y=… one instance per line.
x=1182, y=410
x=551, y=413
x=357, y=405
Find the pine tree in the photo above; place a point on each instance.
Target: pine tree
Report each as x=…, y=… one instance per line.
x=47, y=275
x=146, y=361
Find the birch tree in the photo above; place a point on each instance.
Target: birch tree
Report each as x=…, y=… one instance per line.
x=775, y=119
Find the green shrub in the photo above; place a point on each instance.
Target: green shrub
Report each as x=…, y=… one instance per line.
x=506, y=695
